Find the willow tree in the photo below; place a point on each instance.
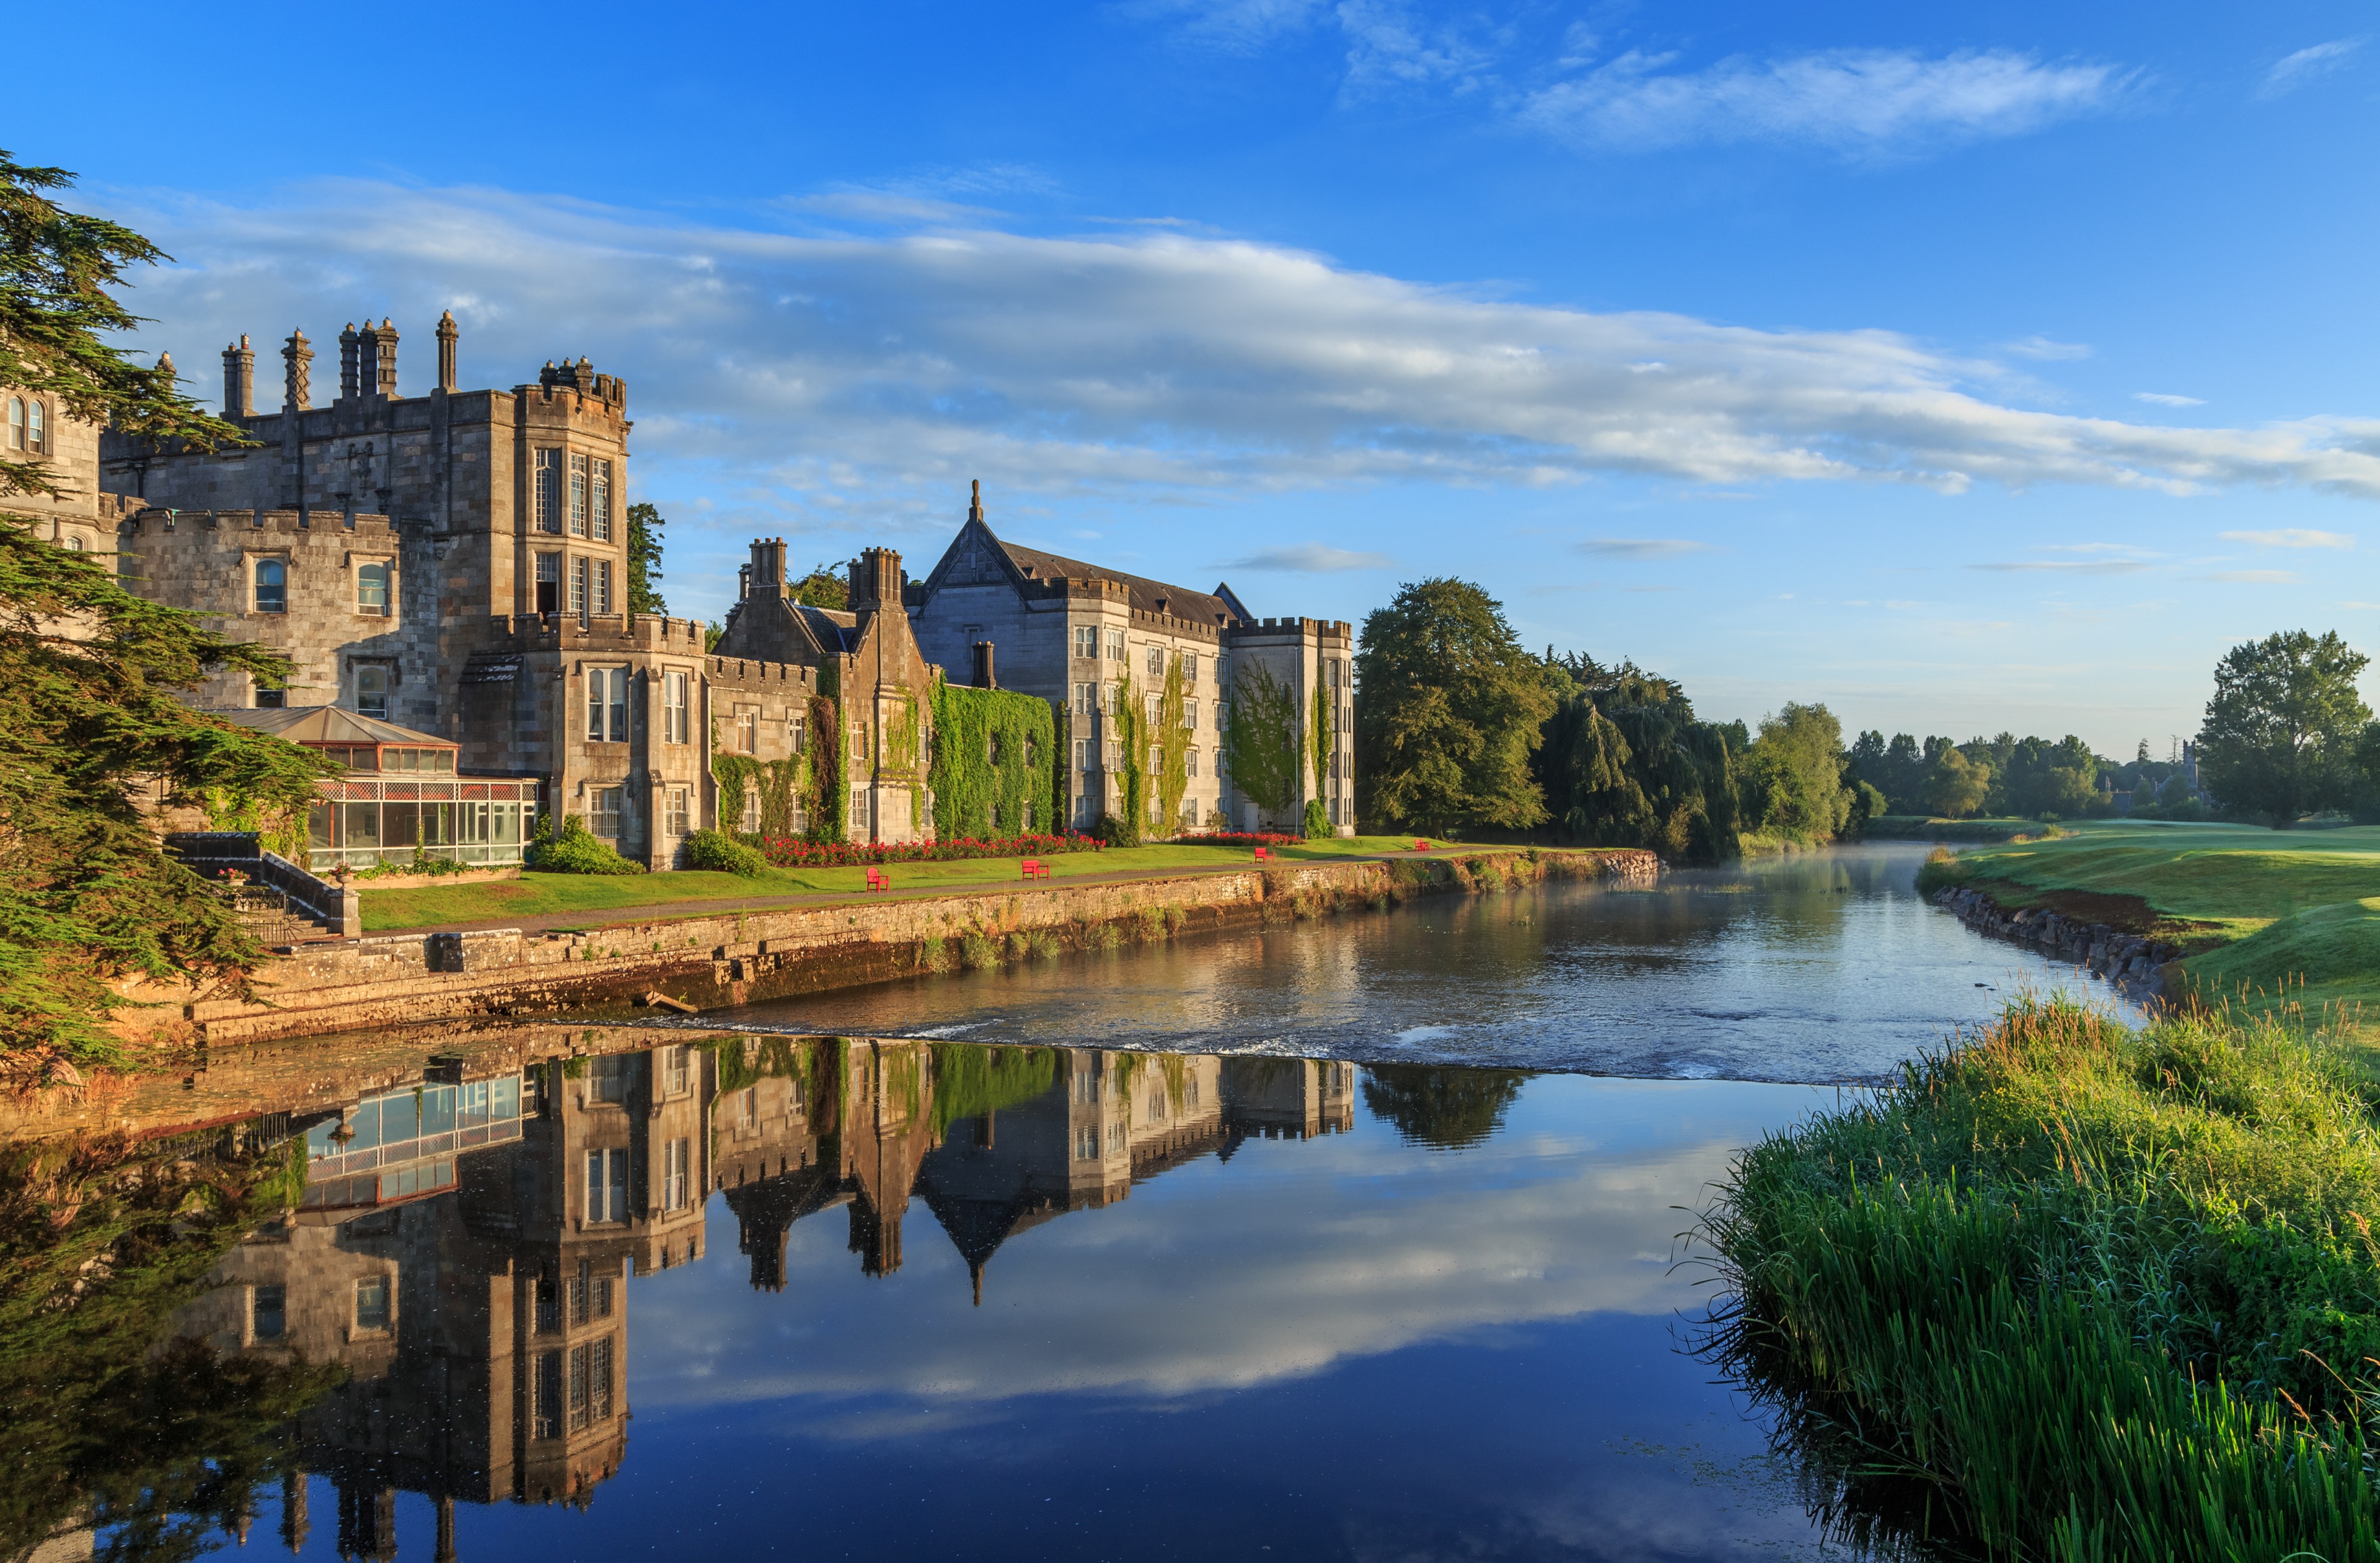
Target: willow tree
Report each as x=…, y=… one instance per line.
x=88, y=674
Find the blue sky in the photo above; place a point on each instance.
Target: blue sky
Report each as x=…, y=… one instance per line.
x=1996, y=369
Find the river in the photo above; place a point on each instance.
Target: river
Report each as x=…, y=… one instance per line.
x=1352, y=1239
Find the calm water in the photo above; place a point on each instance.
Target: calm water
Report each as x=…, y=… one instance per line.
x=780, y=1292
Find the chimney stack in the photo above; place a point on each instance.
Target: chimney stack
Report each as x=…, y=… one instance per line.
x=381, y=366
x=347, y=382
x=984, y=677
x=876, y=580
x=768, y=567
x=239, y=379
x=447, y=335
x=296, y=385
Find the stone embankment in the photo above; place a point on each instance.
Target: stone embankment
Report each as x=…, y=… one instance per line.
x=2128, y=960
x=706, y=961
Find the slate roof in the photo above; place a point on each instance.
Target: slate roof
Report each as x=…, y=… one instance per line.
x=1217, y=607
x=328, y=724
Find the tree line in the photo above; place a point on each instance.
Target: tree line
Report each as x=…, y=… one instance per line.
x=1460, y=730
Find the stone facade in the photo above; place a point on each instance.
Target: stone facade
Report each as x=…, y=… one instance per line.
x=457, y=562
x=33, y=430
x=1069, y=631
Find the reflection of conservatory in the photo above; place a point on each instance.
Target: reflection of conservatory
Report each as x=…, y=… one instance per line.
x=403, y=1143
x=401, y=794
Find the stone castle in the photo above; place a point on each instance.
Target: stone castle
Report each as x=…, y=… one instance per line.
x=455, y=562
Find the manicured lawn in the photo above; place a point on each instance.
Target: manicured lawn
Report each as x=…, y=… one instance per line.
x=538, y=895
x=2279, y=908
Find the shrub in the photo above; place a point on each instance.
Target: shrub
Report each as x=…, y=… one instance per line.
x=789, y=852
x=575, y=850
x=722, y=854
x=1318, y=821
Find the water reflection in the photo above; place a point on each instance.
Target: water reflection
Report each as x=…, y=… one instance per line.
x=440, y=1306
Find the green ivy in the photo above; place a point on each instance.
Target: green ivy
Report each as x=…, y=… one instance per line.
x=1318, y=739
x=1172, y=746
x=970, y=727
x=802, y=784
x=1130, y=725
x=1260, y=735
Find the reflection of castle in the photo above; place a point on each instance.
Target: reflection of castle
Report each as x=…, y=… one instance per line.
x=464, y=1246
x=474, y=1293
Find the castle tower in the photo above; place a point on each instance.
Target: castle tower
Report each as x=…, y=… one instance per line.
x=297, y=383
x=446, y=337
x=239, y=379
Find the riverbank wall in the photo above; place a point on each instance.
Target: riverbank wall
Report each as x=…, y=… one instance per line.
x=712, y=961
x=2129, y=961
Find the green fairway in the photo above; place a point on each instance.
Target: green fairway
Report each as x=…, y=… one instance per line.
x=538, y=895
x=2266, y=909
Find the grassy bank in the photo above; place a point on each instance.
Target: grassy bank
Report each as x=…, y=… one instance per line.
x=1923, y=828
x=2274, y=918
x=537, y=895
x=2075, y=1291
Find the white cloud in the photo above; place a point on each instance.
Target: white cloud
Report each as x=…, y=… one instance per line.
x=1867, y=100
x=2293, y=537
x=1311, y=558
x=853, y=379
x=1388, y=47
x=2293, y=71
x=1642, y=547
x=2167, y=399
x=2256, y=577
x=2044, y=348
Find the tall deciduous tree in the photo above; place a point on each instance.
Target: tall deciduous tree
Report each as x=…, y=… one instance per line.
x=87, y=680
x=1796, y=770
x=2280, y=733
x=645, y=523
x=1958, y=786
x=1448, y=711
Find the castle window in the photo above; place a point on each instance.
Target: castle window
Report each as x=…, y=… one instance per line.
x=676, y=823
x=549, y=583
x=859, y=808
x=271, y=587
x=371, y=590
x=37, y=439
x=680, y=1073
x=73, y=544
x=1156, y=661
x=1115, y=645
x=603, y=585
x=603, y=813
x=1190, y=759
x=578, y=496
x=599, y=500
x=1189, y=661
x=749, y=822
x=799, y=731
x=607, y=1185
x=1081, y=754
x=579, y=586
x=371, y=1302
x=1190, y=714
x=1087, y=698
x=547, y=492
x=607, y=705
x=677, y=1158
x=1087, y=641
x=675, y=722
x=747, y=729
x=545, y=1412
x=371, y=692
x=16, y=423
x=268, y=1313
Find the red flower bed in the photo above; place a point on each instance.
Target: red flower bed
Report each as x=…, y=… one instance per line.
x=1239, y=838
x=791, y=852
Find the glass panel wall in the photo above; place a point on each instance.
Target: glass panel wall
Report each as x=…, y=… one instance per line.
x=365, y=820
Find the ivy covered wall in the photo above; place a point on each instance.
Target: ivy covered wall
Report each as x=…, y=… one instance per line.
x=993, y=750
x=803, y=786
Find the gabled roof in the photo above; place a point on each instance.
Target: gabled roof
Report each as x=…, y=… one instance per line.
x=329, y=724
x=777, y=629
x=1022, y=564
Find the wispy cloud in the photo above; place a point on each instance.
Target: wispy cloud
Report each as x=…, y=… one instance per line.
x=2293, y=537
x=1311, y=559
x=2293, y=71
x=2167, y=399
x=1865, y=101
x=2046, y=349
x=1643, y=548
x=856, y=375
x=2256, y=578
x=2068, y=566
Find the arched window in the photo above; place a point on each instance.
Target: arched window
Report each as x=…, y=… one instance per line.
x=271, y=587
x=16, y=423
x=73, y=544
x=36, y=438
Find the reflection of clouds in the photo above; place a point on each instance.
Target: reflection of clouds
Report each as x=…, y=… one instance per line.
x=1218, y=1277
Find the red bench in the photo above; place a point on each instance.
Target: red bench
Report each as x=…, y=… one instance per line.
x=1262, y=854
x=876, y=880
x=1421, y=846
x=1034, y=869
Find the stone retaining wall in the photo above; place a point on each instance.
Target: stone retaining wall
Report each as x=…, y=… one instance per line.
x=2127, y=959
x=716, y=960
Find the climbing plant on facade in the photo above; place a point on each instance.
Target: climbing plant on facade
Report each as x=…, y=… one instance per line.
x=1170, y=751
x=1261, y=739
x=995, y=762
x=1128, y=741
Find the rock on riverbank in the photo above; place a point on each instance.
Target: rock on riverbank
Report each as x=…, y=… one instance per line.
x=2128, y=960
